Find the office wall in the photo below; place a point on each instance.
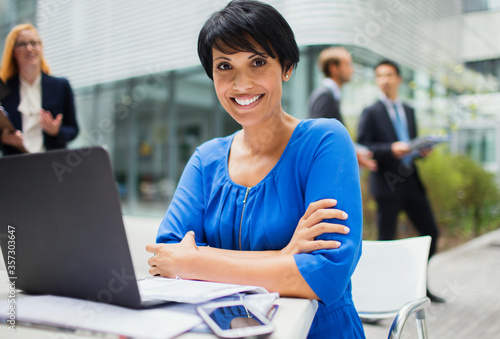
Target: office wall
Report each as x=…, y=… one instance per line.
x=141, y=93
x=96, y=41
x=417, y=34
x=480, y=38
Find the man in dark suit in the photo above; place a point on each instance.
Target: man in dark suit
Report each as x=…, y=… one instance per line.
x=386, y=127
x=336, y=65
x=324, y=102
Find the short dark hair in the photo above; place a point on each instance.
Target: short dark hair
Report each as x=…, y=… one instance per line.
x=235, y=26
x=389, y=63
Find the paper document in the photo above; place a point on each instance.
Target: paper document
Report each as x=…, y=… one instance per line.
x=70, y=314
x=426, y=142
x=189, y=291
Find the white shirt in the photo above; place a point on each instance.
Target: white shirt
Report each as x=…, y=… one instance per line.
x=29, y=105
x=334, y=87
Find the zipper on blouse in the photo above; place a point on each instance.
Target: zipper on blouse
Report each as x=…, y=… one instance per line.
x=243, y=212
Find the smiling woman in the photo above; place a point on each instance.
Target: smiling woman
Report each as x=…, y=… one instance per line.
x=249, y=87
x=277, y=204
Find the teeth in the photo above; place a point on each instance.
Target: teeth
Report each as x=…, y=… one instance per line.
x=246, y=102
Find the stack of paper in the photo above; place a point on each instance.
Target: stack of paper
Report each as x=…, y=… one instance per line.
x=70, y=314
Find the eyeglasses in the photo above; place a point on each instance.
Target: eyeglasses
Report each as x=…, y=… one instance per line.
x=24, y=44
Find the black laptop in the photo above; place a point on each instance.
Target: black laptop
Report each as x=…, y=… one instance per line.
x=62, y=233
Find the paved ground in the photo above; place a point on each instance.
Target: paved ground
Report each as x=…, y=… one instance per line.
x=468, y=276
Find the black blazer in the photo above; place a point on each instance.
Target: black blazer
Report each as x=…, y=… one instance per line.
x=322, y=104
x=57, y=97
x=376, y=131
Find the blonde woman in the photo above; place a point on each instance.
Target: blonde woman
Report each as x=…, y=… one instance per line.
x=40, y=107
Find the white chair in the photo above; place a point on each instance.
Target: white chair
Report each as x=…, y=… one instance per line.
x=390, y=281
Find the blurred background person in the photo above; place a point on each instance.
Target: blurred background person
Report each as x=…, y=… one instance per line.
x=386, y=127
x=324, y=102
x=336, y=65
x=40, y=107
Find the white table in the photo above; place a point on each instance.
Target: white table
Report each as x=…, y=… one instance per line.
x=292, y=320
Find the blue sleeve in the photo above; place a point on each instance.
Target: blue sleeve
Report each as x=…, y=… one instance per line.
x=333, y=173
x=186, y=210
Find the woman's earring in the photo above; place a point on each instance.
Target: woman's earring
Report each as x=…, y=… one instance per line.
x=286, y=76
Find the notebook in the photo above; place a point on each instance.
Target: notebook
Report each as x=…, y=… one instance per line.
x=62, y=233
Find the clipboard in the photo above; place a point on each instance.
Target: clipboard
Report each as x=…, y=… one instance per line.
x=4, y=120
x=6, y=124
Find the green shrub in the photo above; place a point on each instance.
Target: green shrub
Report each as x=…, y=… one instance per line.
x=463, y=195
x=464, y=198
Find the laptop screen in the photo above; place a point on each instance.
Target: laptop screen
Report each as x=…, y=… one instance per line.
x=62, y=213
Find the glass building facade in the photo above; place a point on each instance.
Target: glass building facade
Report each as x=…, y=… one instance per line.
x=14, y=12
x=480, y=5
x=141, y=93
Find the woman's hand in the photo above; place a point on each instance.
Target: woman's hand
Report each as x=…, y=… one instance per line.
x=173, y=260
x=12, y=137
x=311, y=225
x=50, y=125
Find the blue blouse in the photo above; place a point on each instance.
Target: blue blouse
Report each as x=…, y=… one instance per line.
x=319, y=162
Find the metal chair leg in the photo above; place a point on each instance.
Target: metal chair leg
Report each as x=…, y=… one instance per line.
x=417, y=307
x=421, y=325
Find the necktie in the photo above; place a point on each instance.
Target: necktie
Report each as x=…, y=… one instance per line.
x=403, y=135
x=401, y=129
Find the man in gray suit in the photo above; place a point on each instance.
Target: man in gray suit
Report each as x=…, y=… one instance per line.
x=324, y=102
x=336, y=65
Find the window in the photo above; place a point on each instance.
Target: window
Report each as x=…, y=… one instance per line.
x=486, y=67
x=480, y=5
